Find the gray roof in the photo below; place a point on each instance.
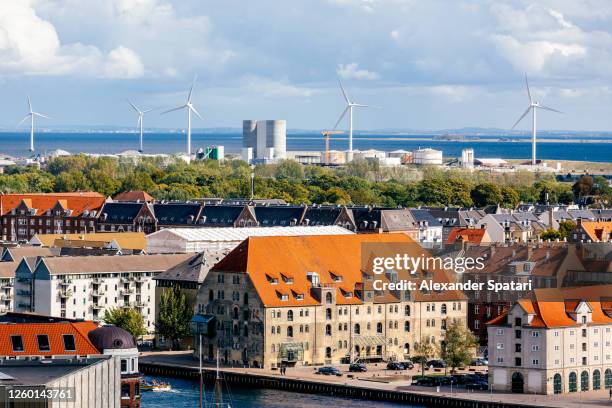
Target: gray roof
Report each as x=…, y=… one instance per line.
x=37, y=372
x=193, y=269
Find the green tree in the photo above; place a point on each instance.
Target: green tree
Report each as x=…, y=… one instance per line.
x=423, y=351
x=566, y=228
x=174, y=316
x=510, y=197
x=128, y=319
x=550, y=234
x=289, y=169
x=459, y=345
x=486, y=194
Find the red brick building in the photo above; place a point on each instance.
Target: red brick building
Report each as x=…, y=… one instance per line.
x=25, y=215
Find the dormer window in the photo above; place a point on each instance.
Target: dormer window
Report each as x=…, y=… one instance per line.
x=299, y=296
x=287, y=279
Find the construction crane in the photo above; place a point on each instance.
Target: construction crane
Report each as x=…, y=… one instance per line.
x=326, y=134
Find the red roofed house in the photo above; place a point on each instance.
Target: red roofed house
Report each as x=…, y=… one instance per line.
x=24, y=215
x=305, y=300
x=471, y=235
x=140, y=196
x=558, y=342
x=67, y=339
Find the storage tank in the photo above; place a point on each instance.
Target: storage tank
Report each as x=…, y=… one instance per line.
x=249, y=135
x=276, y=137
x=427, y=156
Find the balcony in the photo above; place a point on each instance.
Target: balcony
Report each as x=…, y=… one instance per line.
x=139, y=304
x=97, y=293
x=6, y=285
x=97, y=307
x=124, y=280
x=96, y=281
x=65, y=282
x=65, y=293
x=139, y=279
x=126, y=292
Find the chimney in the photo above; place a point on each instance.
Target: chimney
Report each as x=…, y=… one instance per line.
x=550, y=217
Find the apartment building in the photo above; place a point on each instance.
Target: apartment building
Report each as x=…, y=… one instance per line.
x=308, y=300
x=558, y=342
x=69, y=343
x=592, y=231
x=85, y=287
x=512, y=227
x=24, y=215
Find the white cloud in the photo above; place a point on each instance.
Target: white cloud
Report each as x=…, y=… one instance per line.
x=352, y=71
x=454, y=93
x=276, y=89
x=30, y=45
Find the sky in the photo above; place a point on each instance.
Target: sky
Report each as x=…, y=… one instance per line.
x=430, y=64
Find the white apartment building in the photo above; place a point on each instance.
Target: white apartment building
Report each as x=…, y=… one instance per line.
x=85, y=287
x=561, y=342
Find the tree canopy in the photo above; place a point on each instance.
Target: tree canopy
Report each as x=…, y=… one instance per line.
x=174, y=316
x=128, y=319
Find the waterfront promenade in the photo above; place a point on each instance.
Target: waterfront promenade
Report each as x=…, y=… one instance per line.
x=380, y=379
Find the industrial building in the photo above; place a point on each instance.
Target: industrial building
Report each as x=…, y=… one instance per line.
x=427, y=156
x=264, y=140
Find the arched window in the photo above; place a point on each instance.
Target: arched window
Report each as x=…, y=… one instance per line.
x=584, y=381
x=328, y=352
x=246, y=299
x=235, y=330
x=357, y=328
x=328, y=330
x=596, y=380
x=608, y=378
x=245, y=330
x=406, y=326
x=211, y=295
x=379, y=327
x=290, y=316
x=289, y=331
x=273, y=329
x=328, y=313
x=236, y=313
x=557, y=384
x=407, y=310
x=345, y=326
x=443, y=308
x=340, y=344
x=573, y=384
x=328, y=297
x=406, y=348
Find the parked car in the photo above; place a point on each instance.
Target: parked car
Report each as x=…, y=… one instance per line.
x=329, y=371
x=477, y=385
x=480, y=362
x=394, y=365
x=408, y=365
x=435, y=364
x=424, y=381
x=358, y=368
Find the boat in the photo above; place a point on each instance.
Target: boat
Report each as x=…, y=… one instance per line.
x=155, y=385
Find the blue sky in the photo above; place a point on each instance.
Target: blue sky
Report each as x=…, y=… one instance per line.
x=431, y=64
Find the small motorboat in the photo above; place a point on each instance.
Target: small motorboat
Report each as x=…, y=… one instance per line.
x=155, y=385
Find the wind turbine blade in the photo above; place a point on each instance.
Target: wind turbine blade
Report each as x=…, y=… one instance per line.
x=358, y=105
x=41, y=115
x=24, y=119
x=30, y=103
x=133, y=106
x=528, y=92
x=343, y=91
x=193, y=109
x=195, y=78
x=149, y=110
x=174, y=109
x=341, y=117
x=521, y=118
x=548, y=109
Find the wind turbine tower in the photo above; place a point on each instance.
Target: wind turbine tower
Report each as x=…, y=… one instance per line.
x=533, y=107
x=190, y=108
x=141, y=114
x=349, y=108
x=30, y=116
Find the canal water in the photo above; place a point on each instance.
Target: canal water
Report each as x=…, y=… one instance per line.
x=185, y=393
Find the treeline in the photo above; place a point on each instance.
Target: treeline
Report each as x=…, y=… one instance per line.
x=359, y=182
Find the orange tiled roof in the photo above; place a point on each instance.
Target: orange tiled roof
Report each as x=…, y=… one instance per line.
x=472, y=235
x=54, y=331
x=598, y=231
x=141, y=196
x=265, y=259
x=554, y=307
x=77, y=202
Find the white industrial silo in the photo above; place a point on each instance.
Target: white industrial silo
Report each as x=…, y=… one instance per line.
x=249, y=135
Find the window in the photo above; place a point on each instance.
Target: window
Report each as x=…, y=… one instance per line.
x=406, y=310
x=535, y=333
x=290, y=315
x=290, y=331
x=500, y=332
x=517, y=348
x=357, y=328
x=535, y=361
x=69, y=344
x=43, y=342
x=406, y=326
x=500, y=346
x=328, y=330
x=124, y=365
x=328, y=297
x=535, y=347
x=379, y=328
x=517, y=361
x=17, y=342
x=125, y=388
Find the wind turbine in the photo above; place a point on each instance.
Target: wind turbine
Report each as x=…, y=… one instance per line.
x=533, y=107
x=190, y=108
x=349, y=108
x=31, y=115
x=141, y=114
